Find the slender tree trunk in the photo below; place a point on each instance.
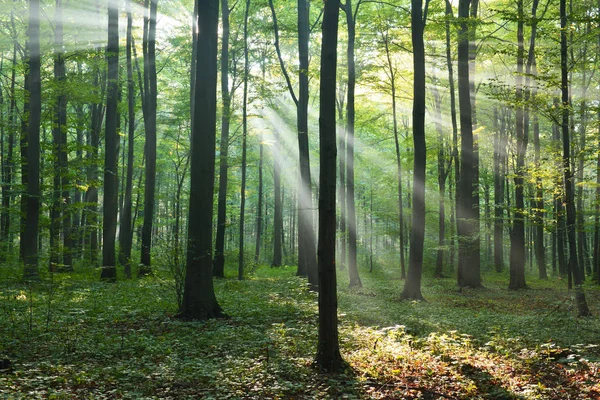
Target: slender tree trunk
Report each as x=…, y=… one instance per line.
x=499, y=155
x=30, y=236
x=9, y=164
x=392, y=77
x=199, y=300
x=150, y=130
x=443, y=171
x=24, y=135
x=342, y=182
x=126, y=228
x=278, y=208
x=328, y=351
x=449, y=18
x=244, y=146
x=219, y=261
x=307, y=258
x=259, y=206
x=582, y=306
x=111, y=153
x=350, y=117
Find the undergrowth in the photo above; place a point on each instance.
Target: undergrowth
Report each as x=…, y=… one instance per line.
x=69, y=336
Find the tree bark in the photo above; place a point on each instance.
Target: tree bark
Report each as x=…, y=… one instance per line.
x=328, y=351
x=219, y=261
x=199, y=301
x=150, y=93
x=469, y=274
x=126, y=228
x=111, y=153
x=307, y=258
x=354, y=277
x=30, y=235
x=412, y=285
x=573, y=266
x=499, y=156
x=517, y=238
x=244, y=147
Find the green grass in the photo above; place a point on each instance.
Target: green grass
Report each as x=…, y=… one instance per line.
x=72, y=337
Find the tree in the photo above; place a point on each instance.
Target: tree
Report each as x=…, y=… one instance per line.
x=226, y=94
x=349, y=158
x=60, y=212
x=126, y=228
x=244, y=146
x=307, y=259
x=582, y=306
x=517, y=237
x=111, y=152
x=150, y=93
x=199, y=300
x=29, y=240
x=469, y=274
x=328, y=351
x=412, y=285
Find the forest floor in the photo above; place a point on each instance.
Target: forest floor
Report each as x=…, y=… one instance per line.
x=70, y=336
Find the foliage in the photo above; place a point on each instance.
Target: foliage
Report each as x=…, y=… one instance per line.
x=69, y=336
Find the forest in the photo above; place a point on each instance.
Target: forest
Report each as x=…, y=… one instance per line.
x=277, y=199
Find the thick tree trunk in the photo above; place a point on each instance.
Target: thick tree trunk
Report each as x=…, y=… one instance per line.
x=30, y=235
x=328, y=351
x=111, y=153
x=412, y=285
x=517, y=238
x=469, y=274
x=199, y=301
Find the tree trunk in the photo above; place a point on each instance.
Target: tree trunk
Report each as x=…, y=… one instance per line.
x=126, y=228
x=468, y=225
x=150, y=93
x=199, y=301
x=499, y=155
x=259, y=206
x=517, y=238
x=412, y=285
x=328, y=351
x=307, y=258
x=30, y=235
x=350, y=116
x=392, y=77
x=111, y=153
x=573, y=266
x=443, y=171
x=449, y=17
x=244, y=147
x=219, y=261
x=278, y=208
x=9, y=164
